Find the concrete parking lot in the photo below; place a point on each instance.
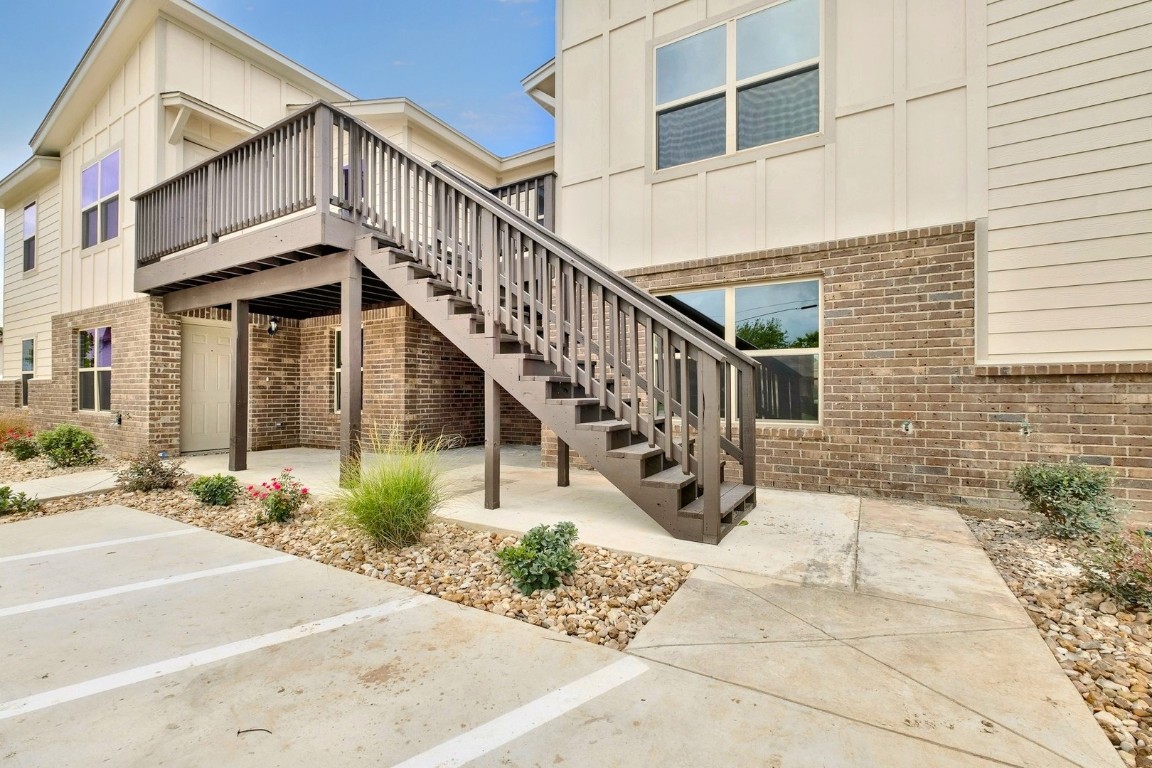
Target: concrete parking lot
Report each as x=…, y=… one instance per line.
x=128, y=639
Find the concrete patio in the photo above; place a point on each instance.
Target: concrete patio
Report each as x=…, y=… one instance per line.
x=862, y=632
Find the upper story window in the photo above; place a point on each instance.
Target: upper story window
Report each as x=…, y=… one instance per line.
x=778, y=324
x=100, y=201
x=30, y=237
x=750, y=81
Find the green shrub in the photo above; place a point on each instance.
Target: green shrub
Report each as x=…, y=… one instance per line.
x=1120, y=565
x=216, y=490
x=69, y=446
x=280, y=497
x=1074, y=499
x=541, y=558
x=149, y=472
x=22, y=448
x=393, y=497
x=13, y=503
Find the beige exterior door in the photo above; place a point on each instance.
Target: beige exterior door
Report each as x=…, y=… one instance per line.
x=204, y=386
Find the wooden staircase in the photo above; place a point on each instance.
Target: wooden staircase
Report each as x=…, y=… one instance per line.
x=638, y=390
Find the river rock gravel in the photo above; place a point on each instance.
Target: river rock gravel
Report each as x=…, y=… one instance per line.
x=1105, y=648
x=13, y=471
x=606, y=602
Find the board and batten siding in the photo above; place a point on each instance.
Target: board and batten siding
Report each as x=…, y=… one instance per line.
x=903, y=141
x=1069, y=266
x=31, y=298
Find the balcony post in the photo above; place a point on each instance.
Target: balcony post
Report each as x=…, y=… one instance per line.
x=238, y=423
x=708, y=454
x=562, y=463
x=210, y=204
x=323, y=158
x=352, y=370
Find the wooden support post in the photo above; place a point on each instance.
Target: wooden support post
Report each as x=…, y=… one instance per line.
x=748, y=423
x=709, y=437
x=491, y=443
x=352, y=370
x=238, y=423
x=561, y=463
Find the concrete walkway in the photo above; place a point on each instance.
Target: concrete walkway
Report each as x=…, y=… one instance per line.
x=862, y=631
x=74, y=484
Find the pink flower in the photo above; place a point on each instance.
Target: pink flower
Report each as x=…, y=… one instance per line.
x=276, y=485
x=303, y=491
x=287, y=469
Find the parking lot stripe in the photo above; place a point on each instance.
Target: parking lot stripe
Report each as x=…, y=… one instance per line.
x=99, y=545
x=512, y=725
x=38, y=701
x=150, y=584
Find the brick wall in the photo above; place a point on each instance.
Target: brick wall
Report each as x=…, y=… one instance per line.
x=898, y=345
x=413, y=377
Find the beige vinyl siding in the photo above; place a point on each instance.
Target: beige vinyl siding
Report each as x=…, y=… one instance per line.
x=902, y=144
x=30, y=298
x=1070, y=181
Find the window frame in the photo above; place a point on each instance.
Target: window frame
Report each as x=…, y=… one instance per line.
x=729, y=290
x=825, y=64
x=27, y=368
x=95, y=370
x=29, y=240
x=100, y=205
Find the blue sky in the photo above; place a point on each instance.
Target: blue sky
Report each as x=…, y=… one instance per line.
x=460, y=59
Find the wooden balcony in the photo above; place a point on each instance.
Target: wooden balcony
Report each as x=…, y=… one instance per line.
x=290, y=195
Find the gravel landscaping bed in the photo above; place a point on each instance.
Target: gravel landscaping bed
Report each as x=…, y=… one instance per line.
x=13, y=471
x=1104, y=648
x=606, y=602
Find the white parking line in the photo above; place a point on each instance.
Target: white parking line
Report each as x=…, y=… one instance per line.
x=99, y=545
x=68, y=693
x=151, y=584
x=512, y=725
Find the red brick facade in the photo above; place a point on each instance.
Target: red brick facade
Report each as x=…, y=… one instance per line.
x=413, y=377
x=898, y=345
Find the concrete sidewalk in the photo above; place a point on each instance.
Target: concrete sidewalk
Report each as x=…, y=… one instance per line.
x=843, y=615
x=59, y=486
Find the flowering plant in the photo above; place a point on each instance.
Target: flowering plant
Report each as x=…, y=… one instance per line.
x=21, y=443
x=279, y=497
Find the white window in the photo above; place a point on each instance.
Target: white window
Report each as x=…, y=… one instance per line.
x=778, y=324
x=27, y=367
x=750, y=81
x=94, y=380
x=30, y=237
x=100, y=201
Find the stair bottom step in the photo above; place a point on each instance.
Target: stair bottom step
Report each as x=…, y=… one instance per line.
x=732, y=496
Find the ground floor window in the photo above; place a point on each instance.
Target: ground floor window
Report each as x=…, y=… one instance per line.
x=94, y=382
x=27, y=367
x=778, y=324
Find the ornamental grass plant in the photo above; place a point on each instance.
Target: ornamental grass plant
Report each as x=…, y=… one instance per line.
x=397, y=487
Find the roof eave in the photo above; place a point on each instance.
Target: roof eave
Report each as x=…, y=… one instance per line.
x=27, y=179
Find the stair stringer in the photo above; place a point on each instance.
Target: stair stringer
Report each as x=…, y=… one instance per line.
x=661, y=504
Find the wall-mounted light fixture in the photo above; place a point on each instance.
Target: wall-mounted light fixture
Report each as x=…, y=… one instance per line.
x=273, y=326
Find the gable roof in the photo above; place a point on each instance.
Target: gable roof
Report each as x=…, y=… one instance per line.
x=127, y=21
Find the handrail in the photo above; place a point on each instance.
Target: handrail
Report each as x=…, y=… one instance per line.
x=701, y=336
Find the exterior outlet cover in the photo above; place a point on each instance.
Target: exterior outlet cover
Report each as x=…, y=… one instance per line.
x=906, y=427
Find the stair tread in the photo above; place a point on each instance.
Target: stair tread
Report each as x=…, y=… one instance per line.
x=732, y=495
x=638, y=451
x=672, y=477
x=572, y=401
x=609, y=425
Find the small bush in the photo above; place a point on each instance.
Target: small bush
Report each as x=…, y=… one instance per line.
x=394, y=497
x=542, y=557
x=69, y=446
x=1120, y=566
x=216, y=490
x=1074, y=499
x=280, y=497
x=23, y=447
x=149, y=472
x=13, y=503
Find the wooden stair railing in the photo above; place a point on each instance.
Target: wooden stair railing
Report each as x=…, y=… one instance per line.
x=623, y=354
